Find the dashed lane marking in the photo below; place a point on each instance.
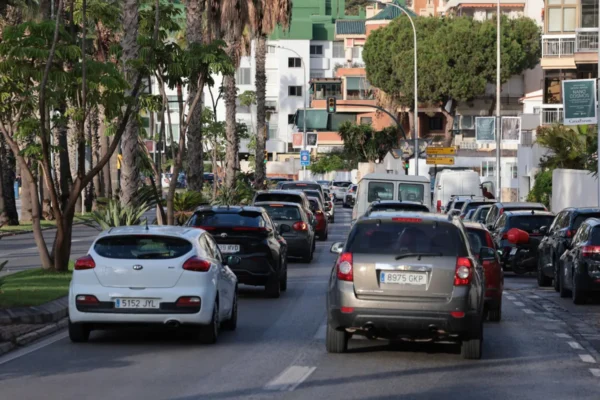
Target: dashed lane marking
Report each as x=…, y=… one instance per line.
x=290, y=378
x=595, y=372
x=586, y=358
x=511, y=297
x=563, y=335
x=528, y=311
x=533, y=297
x=575, y=345
x=519, y=304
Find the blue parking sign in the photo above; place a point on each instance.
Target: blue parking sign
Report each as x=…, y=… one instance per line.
x=304, y=158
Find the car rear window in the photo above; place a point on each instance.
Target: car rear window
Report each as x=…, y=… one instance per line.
x=283, y=197
x=282, y=212
x=484, y=212
x=530, y=223
x=473, y=205
x=301, y=186
x=477, y=239
x=398, y=207
x=596, y=236
x=313, y=193
x=580, y=218
x=314, y=205
x=341, y=184
x=410, y=191
x=227, y=219
x=396, y=237
x=380, y=191
x=523, y=208
x=458, y=205
x=142, y=247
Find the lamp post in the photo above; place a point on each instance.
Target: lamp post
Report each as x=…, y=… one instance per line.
x=304, y=96
x=416, y=122
x=498, y=118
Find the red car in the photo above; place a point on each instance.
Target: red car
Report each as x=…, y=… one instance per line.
x=318, y=210
x=480, y=237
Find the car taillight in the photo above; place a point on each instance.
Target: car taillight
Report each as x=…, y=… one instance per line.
x=463, y=271
x=300, y=226
x=462, y=216
x=86, y=299
x=439, y=206
x=86, y=262
x=570, y=233
x=344, y=267
x=196, y=264
x=588, y=251
x=206, y=228
x=188, y=301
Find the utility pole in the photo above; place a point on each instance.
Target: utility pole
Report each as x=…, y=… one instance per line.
x=498, y=118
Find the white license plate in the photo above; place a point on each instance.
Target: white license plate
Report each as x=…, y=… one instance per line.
x=513, y=251
x=229, y=248
x=137, y=303
x=404, y=278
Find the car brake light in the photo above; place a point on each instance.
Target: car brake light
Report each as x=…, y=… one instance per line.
x=463, y=272
x=300, y=226
x=206, y=228
x=489, y=240
x=196, y=264
x=86, y=299
x=588, y=251
x=407, y=219
x=439, y=206
x=188, y=301
x=86, y=262
x=457, y=314
x=319, y=212
x=569, y=233
x=344, y=267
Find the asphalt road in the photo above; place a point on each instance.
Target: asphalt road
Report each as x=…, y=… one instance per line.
x=538, y=351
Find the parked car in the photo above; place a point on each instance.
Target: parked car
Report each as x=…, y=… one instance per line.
x=394, y=206
x=557, y=239
x=457, y=202
x=473, y=204
x=350, y=196
x=469, y=215
x=480, y=213
x=285, y=196
x=480, y=237
x=295, y=226
x=321, y=223
x=301, y=185
x=315, y=193
x=530, y=221
x=449, y=183
x=185, y=279
x=248, y=233
x=324, y=184
x=339, y=189
x=498, y=208
x=579, y=273
x=408, y=275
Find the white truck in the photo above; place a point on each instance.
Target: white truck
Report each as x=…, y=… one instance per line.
x=449, y=183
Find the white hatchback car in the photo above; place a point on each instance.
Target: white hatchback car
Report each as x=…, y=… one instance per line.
x=153, y=275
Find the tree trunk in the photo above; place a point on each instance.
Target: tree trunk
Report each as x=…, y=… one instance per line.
x=66, y=179
x=8, y=207
x=129, y=143
x=448, y=128
x=72, y=146
x=26, y=199
x=261, y=112
x=95, y=126
x=195, y=161
x=230, y=131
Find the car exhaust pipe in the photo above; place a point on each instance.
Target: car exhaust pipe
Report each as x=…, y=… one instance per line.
x=369, y=328
x=172, y=323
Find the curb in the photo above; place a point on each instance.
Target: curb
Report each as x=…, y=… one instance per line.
x=17, y=233
x=49, y=312
x=27, y=338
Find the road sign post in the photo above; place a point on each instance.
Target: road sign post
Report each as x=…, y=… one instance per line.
x=440, y=151
x=304, y=158
x=440, y=160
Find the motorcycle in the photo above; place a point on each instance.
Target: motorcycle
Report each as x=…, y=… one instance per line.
x=523, y=257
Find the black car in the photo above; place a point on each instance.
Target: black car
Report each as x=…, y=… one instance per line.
x=286, y=196
x=579, y=270
x=557, y=239
x=248, y=233
x=301, y=185
x=528, y=221
x=498, y=208
x=382, y=206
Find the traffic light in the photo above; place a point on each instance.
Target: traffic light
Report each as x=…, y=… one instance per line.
x=406, y=164
x=331, y=104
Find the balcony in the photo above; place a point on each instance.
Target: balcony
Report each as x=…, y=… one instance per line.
x=558, y=45
x=551, y=116
x=587, y=40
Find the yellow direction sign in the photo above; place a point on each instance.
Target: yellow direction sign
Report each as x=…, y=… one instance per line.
x=440, y=160
x=440, y=151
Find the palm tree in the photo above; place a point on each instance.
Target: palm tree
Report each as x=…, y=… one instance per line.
x=265, y=15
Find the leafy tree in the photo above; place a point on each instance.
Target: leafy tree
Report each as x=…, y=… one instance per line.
x=353, y=6
x=542, y=188
x=365, y=144
x=329, y=162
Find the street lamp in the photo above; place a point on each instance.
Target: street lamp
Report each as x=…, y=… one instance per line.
x=304, y=95
x=498, y=118
x=416, y=122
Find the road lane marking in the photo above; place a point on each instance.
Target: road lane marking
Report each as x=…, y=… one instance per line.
x=586, y=358
x=528, y=311
x=34, y=347
x=595, y=372
x=519, y=304
x=563, y=335
x=290, y=378
x=533, y=297
x=511, y=297
x=575, y=345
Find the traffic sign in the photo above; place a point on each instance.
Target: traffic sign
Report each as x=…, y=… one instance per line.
x=304, y=158
x=440, y=151
x=440, y=160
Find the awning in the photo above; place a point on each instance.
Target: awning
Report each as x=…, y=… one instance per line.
x=357, y=83
x=315, y=119
x=338, y=119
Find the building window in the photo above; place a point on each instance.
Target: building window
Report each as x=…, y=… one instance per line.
x=271, y=49
x=316, y=50
x=562, y=15
x=291, y=119
x=537, y=110
x=366, y=120
x=514, y=170
x=317, y=74
x=436, y=124
x=338, y=50
x=357, y=52
x=488, y=168
x=323, y=90
x=295, y=91
x=294, y=62
x=243, y=76
x=273, y=126
x=589, y=14
x=358, y=88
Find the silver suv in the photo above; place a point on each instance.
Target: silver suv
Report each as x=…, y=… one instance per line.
x=407, y=275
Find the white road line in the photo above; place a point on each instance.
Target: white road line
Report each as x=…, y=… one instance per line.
x=595, y=372
x=575, y=345
x=34, y=347
x=519, y=304
x=563, y=335
x=290, y=378
x=528, y=311
x=533, y=297
x=511, y=297
x=320, y=335
x=586, y=358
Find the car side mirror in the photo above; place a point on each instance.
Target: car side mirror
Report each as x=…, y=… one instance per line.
x=337, y=247
x=544, y=230
x=487, y=254
x=284, y=229
x=232, y=261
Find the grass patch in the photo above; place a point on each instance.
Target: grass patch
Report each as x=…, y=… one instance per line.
x=27, y=227
x=33, y=287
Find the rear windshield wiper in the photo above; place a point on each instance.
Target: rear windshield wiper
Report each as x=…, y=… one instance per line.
x=419, y=255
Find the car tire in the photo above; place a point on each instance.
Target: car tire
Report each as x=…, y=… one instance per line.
x=79, y=333
x=579, y=296
x=472, y=349
x=332, y=220
x=495, y=314
x=231, y=323
x=336, y=341
x=283, y=281
x=209, y=333
x=542, y=280
x=564, y=292
x=309, y=257
x=556, y=279
x=323, y=236
x=273, y=288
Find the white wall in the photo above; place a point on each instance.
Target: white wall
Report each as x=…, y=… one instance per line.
x=573, y=188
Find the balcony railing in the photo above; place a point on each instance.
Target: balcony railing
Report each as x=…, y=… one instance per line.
x=558, y=46
x=361, y=96
x=587, y=40
x=550, y=116
x=325, y=95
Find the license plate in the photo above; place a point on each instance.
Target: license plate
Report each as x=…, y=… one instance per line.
x=229, y=248
x=137, y=303
x=513, y=251
x=404, y=278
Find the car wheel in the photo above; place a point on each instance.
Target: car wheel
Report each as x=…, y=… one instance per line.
x=336, y=341
x=309, y=257
x=471, y=349
x=332, y=220
x=323, y=236
x=564, y=292
x=79, y=333
x=231, y=323
x=273, y=288
x=283, y=281
x=495, y=314
x=542, y=279
x=210, y=333
x=579, y=296
x=556, y=279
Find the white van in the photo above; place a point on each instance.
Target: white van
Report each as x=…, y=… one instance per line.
x=450, y=183
x=380, y=186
